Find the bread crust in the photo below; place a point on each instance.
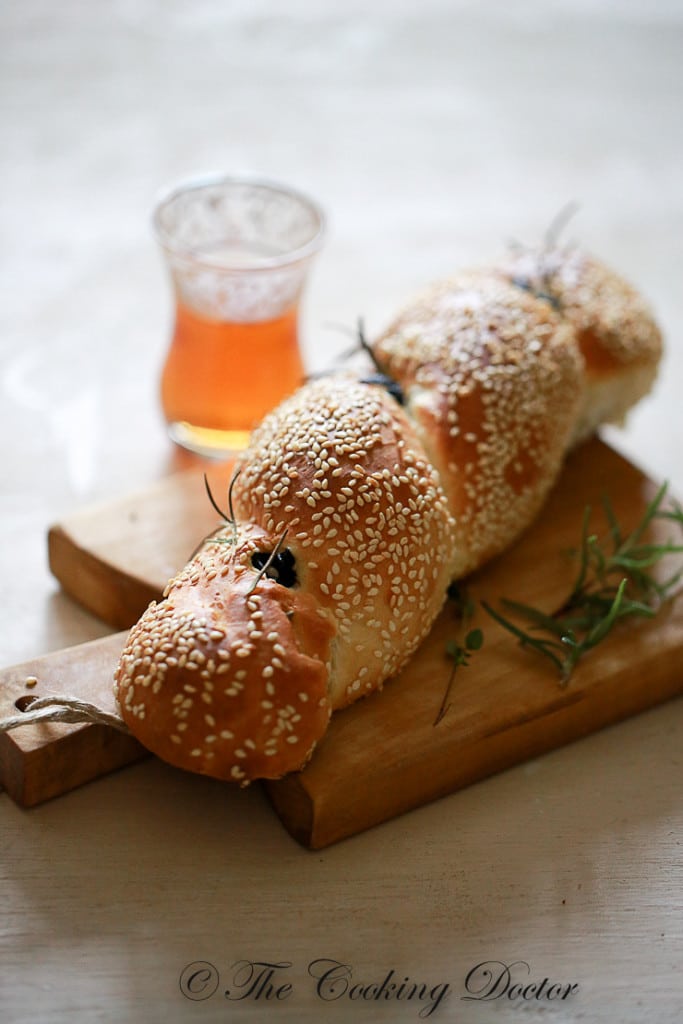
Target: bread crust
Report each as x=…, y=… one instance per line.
x=223, y=680
x=492, y=379
x=337, y=474
x=616, y=332
x=352, y=512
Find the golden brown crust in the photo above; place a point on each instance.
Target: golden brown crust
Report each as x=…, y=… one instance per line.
x=352, y=514
x=613, y=322
x=339, y=467
x=226, y=682
x=616, y=333
x=238, y=682
x=492, y=381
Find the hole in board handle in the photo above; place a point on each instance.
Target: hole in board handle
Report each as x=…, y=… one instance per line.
x=24, y=703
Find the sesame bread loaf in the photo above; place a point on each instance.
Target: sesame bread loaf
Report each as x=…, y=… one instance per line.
x=356, y=504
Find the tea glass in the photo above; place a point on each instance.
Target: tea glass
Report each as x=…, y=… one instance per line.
x=238, y=252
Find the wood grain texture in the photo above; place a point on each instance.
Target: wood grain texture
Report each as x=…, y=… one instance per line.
x=38, y=762
x=116, y=557
x=386, y=755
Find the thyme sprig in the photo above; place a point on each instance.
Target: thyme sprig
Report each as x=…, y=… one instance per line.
x=613, y=582
x=459, y=653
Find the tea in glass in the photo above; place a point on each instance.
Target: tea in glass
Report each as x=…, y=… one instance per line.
x=238, y=253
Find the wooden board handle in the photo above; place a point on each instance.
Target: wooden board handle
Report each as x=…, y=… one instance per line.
x=41, y=761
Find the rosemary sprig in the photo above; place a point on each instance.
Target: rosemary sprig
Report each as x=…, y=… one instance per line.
x=228, y=517
x=613, y=582
x=381, y=377
x=260, y=573
x=460, y=654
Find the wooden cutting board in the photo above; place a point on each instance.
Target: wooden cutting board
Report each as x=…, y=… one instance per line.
x=38, y=762
x=386, y=754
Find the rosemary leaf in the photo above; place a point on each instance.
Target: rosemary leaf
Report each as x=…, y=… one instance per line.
x=614, y=528
x=525, y=639
x=536, y=617
x=610, y=585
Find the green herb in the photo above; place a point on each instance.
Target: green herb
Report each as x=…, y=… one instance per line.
x=229, y=517
x=263, y=569
x=610, y=585
x=541, y=284
x=460, y=654
x=381, y=377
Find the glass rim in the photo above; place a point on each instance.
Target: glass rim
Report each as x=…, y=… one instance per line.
x=197, y=184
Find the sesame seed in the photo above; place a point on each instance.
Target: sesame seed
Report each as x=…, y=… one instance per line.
x=391, y=510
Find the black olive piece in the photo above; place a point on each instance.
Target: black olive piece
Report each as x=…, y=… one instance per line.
x=282, y=569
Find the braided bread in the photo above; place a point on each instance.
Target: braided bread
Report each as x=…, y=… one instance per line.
x=356, y=505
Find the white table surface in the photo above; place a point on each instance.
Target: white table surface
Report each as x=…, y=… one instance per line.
x=432, y=133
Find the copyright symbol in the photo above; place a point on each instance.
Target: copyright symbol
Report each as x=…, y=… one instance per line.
x=199, y=980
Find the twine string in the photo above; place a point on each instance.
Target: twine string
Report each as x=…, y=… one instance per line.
x=63, y=709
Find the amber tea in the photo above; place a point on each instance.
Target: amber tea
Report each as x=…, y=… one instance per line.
x=222, y=377
x=238, y=253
